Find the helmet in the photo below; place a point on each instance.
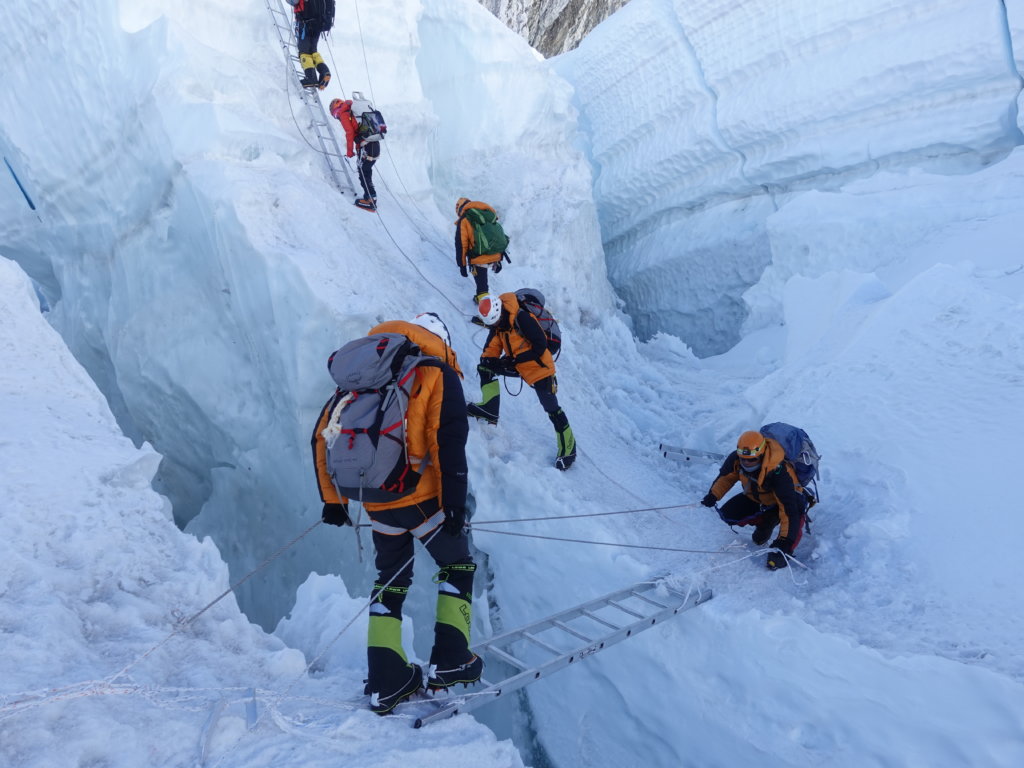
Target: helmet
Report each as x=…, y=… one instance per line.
x=489, y=309
x=434, y=324
x=459, y=203
x=335, y=104
x=750, y=448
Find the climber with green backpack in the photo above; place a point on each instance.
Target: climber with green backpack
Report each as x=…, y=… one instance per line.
x=480, y=242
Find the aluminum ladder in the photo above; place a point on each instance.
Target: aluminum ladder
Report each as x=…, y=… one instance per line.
x=330, y=149
x=539, y=649
x=679, y=453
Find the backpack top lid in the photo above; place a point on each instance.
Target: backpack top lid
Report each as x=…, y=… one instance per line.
x=799, y=449
x=370, y=362
x=526, y=294
x=360, y=103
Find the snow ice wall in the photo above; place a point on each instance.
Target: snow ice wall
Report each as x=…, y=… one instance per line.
x=201, y=266
x=727, y=108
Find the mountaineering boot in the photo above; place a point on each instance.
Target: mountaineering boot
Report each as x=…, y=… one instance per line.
x=383, y=705
x=490, y=397
x=391, y=677
x=310, y=79
x=566, y=441
x=466, y=674
x=325, y=75
x=451, y=661
x=763, y=531
x=366, y=204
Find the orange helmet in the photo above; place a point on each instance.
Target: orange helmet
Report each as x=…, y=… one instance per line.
x=459, y=203
x=750, y=448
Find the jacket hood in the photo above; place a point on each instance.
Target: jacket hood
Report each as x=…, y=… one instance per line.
x=430, y=343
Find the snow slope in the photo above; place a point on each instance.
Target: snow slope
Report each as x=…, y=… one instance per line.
x=200, y=267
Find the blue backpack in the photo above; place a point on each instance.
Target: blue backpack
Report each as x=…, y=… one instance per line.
x=800, y=451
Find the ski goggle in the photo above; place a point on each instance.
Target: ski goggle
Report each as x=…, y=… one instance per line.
x=751, y=454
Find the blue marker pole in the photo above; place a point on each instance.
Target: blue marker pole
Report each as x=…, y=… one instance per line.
x=18, y=182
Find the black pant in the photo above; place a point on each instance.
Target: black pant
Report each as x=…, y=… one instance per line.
x=546, y=389
x=480, y=276
x=368, y=155
x=307, y=36
x=396, y=550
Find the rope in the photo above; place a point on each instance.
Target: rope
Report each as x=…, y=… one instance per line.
x=586, y=514
x=184, y=624
x=342, y=631
x=599, y=543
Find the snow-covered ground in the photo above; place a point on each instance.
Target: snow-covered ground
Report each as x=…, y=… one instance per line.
x=200, y=268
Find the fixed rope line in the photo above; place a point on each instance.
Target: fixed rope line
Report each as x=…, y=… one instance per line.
x=585, y=514
x=373, y=596
x=186, y=623
x=599, y=543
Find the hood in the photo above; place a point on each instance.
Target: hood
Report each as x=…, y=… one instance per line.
x=430, y=343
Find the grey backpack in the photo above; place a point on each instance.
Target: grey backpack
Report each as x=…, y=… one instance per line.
x=367, y=455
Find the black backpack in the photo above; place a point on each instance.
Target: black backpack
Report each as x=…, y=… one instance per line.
x=533, y=301
x=323, y=12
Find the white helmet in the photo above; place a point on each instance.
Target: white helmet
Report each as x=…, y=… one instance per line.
x=434, y=324
x=489, y=309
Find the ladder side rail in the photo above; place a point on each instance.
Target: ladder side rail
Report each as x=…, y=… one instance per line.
x=584, y=609
x=318, y=115
x=480, y=698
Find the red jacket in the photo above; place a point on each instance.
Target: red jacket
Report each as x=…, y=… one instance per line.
x=348, y=122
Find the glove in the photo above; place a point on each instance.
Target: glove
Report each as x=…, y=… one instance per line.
x=496, y=266
x=454, y=520
x=491, y=364
x=463, y=271
x=776, y=560
x=336, y=514
x=709, y=500
x=783, y=543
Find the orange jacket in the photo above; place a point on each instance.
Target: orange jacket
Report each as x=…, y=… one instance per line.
x=519, y=337
x=465, y=238
x=775, y=485
x=436, y=427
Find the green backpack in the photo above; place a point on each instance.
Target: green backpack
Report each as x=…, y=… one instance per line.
x=487, y=231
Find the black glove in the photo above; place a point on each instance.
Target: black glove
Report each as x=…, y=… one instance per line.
x=336, y=514
x=776, y=560
x=454, y=520
x=463, y=271
x=783, y=543
x=491, y=364
x=709, y=500
x=496, y=267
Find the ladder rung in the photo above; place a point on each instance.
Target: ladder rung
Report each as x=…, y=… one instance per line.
x=566, y=628
x=542, y=644
x=624, y=609
x=598, y=619
x=649, y=600
x=508, y=657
